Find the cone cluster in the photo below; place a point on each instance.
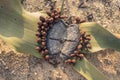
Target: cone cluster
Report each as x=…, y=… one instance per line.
x=44, y=25
x=84, y=45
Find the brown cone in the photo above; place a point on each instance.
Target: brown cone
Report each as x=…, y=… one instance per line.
x=37, y=34
x=45, y=24
x=44, y=33
x=42, y=27
x=47, y=57
x=46, y=51
x=76, y=52
x=38, y=39
x=43, y=43
x=81, y=55
x=37, y=48
x=42, y=18
x=79, y=47
x=74, y=61
x=68, y=61
x=72, y=55
x=77, y=20
x=88, y=46
x=40, y=23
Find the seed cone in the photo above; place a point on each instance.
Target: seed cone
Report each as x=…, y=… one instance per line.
x=42, y=52
x=56, y=13
x=43, y=37
x=56, y=17
x=43, y=40
x=42, y=18
x=79, y=47
x=77, y=20
x=81, y=55
x=82, y=33
x=47, y=57
x=86, y=41
x=81, y=38
x=76, y=52
x=51, y=20
x=63, y=17
x=39, y=23
x=88, y=46
x=74, y=61
x=52, y=15
x=47, y=19
x=68, y=61
x=43, y=47
x=44, y=33
x=86, y=49
x=39, y=29
x=45, y=24
x=37, y=34
x=55, y=10
x=42, y=27
x=46, y=51
x=38, y=39
x=37, y=48
x=72, y=55
x=88, y=38
x=43, y=43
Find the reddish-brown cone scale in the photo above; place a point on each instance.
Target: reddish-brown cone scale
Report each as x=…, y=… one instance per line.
x=68, y=61
x=38, y=39
x=46, y=51
x=43, y=43
x=77, y=20
x=74, y=61
x=81, y=55
x=76, y=52
x=44, y=33
x=79, y=47
x=72, y=55
x=47, y=57
x=37, y=48
x=37, y=34
x=40, y=23
x=42, y=27
x=42, y=18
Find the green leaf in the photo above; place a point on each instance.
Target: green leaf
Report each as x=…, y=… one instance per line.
x=88, y=70
x=18, y=27
x=101, y=38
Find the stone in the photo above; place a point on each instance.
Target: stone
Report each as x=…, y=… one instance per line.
x=62, y=38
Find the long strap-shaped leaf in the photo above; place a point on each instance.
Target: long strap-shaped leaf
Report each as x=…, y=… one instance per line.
x=88, y=70
x=101, y=38
x=18, y=27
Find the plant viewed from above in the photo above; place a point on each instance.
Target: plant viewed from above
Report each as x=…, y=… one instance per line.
x=55, y=37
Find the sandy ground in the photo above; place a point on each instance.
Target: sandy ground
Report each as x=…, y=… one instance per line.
x=19, y=66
